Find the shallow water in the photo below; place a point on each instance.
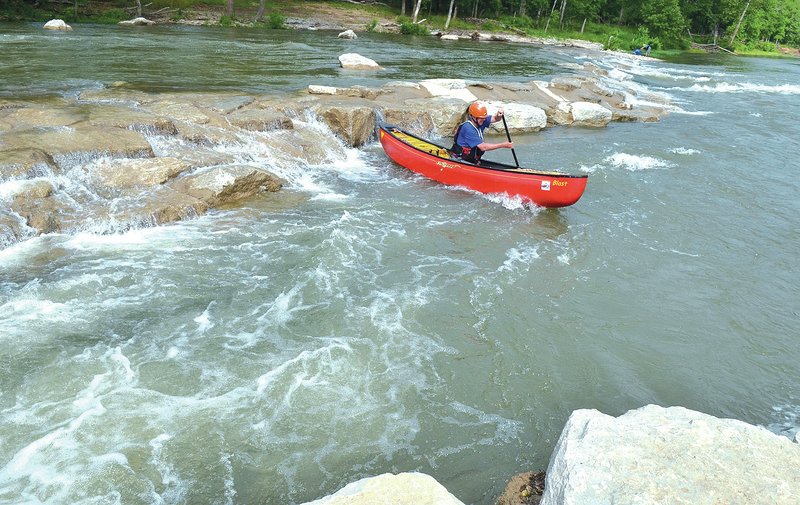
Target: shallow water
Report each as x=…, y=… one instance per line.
x=365, y=320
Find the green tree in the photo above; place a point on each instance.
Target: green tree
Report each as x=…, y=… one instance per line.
x=665, y=20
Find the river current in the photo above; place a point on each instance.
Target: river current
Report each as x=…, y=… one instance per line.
x=366, y=320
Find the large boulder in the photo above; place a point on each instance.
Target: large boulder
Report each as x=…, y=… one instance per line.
x=670, y=456
x=402, y=489
x=590, y=114
x=354, y=125
x=221, y=185
x=57, y=25
x=355, y=61
x=520, y=117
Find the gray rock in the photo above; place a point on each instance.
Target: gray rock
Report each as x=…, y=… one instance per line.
x=671, y=456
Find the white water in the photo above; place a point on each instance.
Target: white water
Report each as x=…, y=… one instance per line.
x=366, y=320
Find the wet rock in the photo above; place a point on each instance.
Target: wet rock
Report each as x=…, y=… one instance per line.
x=127, y=173
x=315, y=89
x=449, y=36
x=448, y=88
x=161, y=206
x=354, y=61
x=28, y=189
x=137, y=22
x=523, y=489
x=82, y=142
x=25, y=162
x=669, y=455
x=10, y=228
x=44, y=215
x=260, y=120
x=590, y=114
x=348, y=34
x=566, y=83
x=43, y=117
x=401, y=489
x=57, y=25
x=226, y=184
x=206, y=135
x=354, y=125
x=119, y=116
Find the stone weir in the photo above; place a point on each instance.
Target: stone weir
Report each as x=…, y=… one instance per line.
x=117, y=158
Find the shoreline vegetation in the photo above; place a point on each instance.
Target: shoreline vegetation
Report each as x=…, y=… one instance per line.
x=424, y=18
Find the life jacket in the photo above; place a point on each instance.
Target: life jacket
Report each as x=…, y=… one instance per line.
x=472, y=155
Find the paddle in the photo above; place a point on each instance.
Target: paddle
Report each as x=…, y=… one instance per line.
x=509, y=139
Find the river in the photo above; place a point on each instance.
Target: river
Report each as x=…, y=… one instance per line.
x=366, y=320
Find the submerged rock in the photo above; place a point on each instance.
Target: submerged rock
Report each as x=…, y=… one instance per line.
x=670, y=455
x=137, y=22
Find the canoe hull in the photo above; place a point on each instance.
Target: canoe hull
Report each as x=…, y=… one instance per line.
x=545, y=189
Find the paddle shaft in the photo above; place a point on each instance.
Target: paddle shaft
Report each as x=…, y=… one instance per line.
x=509, y=139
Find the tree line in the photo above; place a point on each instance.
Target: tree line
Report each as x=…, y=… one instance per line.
x=671, y=23
x=733, y=24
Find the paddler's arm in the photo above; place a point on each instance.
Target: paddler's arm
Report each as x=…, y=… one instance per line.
x=485, y=146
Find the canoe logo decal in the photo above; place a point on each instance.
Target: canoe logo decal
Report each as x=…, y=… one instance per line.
x=444, y=164
x=545, y=185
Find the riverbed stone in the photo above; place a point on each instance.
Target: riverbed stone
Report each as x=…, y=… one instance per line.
x=448, y=88
x=260, y=120
x=590, y=114
x=10, y=228
x=57, y=25
x=520, y=117
x=672, y=456
x=140, y=21
x=226, y=184
x=80, y=143
x=355, y=61
x=354, y=125
x=410, y=488
x=25, y=162
x=347, y=34
x=128, y=173
x=120, y=116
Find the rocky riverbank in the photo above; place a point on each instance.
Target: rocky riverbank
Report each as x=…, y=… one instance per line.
x=113, y=159
x=651, y=455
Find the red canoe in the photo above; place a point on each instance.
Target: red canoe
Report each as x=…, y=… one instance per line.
x=545, y=189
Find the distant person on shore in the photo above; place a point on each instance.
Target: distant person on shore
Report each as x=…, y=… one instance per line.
x=468, y=142
x=646, y=49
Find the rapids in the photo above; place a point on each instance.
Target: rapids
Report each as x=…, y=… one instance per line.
x=365, y=320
